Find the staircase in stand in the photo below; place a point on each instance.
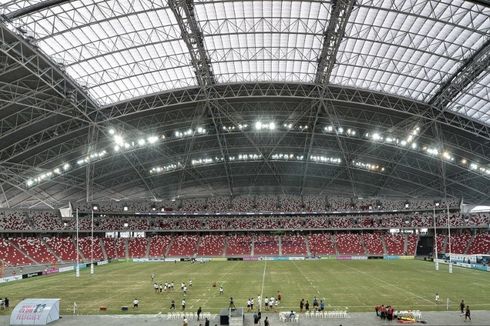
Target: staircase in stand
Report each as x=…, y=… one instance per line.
x=102, y=246
x=19, y=249
x=51, y=251
x=279, y=243
x=308, y=252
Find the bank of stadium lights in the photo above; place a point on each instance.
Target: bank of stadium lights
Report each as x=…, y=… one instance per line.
x=238, y=127
x=59, y=170
x=368, y=166
x=287, y=157
x=325, y=159
x=166, y=168
x=259, y=125
x=91, y=157
x=190, y=132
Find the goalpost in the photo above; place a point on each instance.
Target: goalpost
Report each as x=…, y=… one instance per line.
x=2, y=268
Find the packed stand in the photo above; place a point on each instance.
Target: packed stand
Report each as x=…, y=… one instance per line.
x=314, y=203
x=459, y=242
x=266, y=203
x=243, y=203
x=15, y=221
x=218, y=204
x=193, y=205
x=46, y=220
x=412, y=240
x=290, y=203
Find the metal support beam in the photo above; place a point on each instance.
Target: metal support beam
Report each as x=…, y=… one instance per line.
x=193, y=38
x=463, y=77
x=341, y=10
x=42, y=5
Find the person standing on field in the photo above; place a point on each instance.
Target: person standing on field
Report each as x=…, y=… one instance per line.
x=467, y=314
x=461, y=307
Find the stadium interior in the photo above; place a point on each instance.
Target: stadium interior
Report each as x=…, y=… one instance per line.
x=243, y=130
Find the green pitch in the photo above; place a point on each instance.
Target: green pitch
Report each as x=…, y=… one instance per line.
x=358, y=285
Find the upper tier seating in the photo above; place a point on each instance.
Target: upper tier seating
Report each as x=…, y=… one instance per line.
x=13, y=221
x=47, y=220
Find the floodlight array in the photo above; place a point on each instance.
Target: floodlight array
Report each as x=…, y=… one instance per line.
x=92, y=157
x=59, y=170
x=368, y=166
x=121, y=143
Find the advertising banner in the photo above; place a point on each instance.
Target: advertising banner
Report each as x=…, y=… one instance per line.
x=35, y=312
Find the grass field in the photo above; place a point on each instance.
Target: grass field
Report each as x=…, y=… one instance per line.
x=359, y=285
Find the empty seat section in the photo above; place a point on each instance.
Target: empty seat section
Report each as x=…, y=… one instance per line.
x=238, y=245
x=11, y=256
x=137, y=247
x=211, y=245
x=412, y=244
x=159, y=245
x=63, y=248
x=184, y=246
x=394, y=244
x=85, y=245
x=349, y=244
x=373, y=243
x=35, y=249
x=459, y=243
x=480, y=244
x=321, y=244
x=293, y=245
x=115, y=248
x=266, y=245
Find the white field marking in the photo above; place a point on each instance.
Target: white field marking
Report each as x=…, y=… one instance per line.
x=388, y=284
x=306, y=278
x=208, y=296
x=262, y=290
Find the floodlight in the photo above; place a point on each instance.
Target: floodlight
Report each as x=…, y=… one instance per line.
x=117, y=148
x=437, y=203
x=463, y=161
x=112, y=131
x=141, y=142
x=125, y=208
x=407, y=204
x=118, y=139
x=340, y=130
x=152, y=139
x=66, y=166
x=153, y=208
x=126, y=225
x=95, y=207
x=57, y=171
x=162, y=209
x=30, y=182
